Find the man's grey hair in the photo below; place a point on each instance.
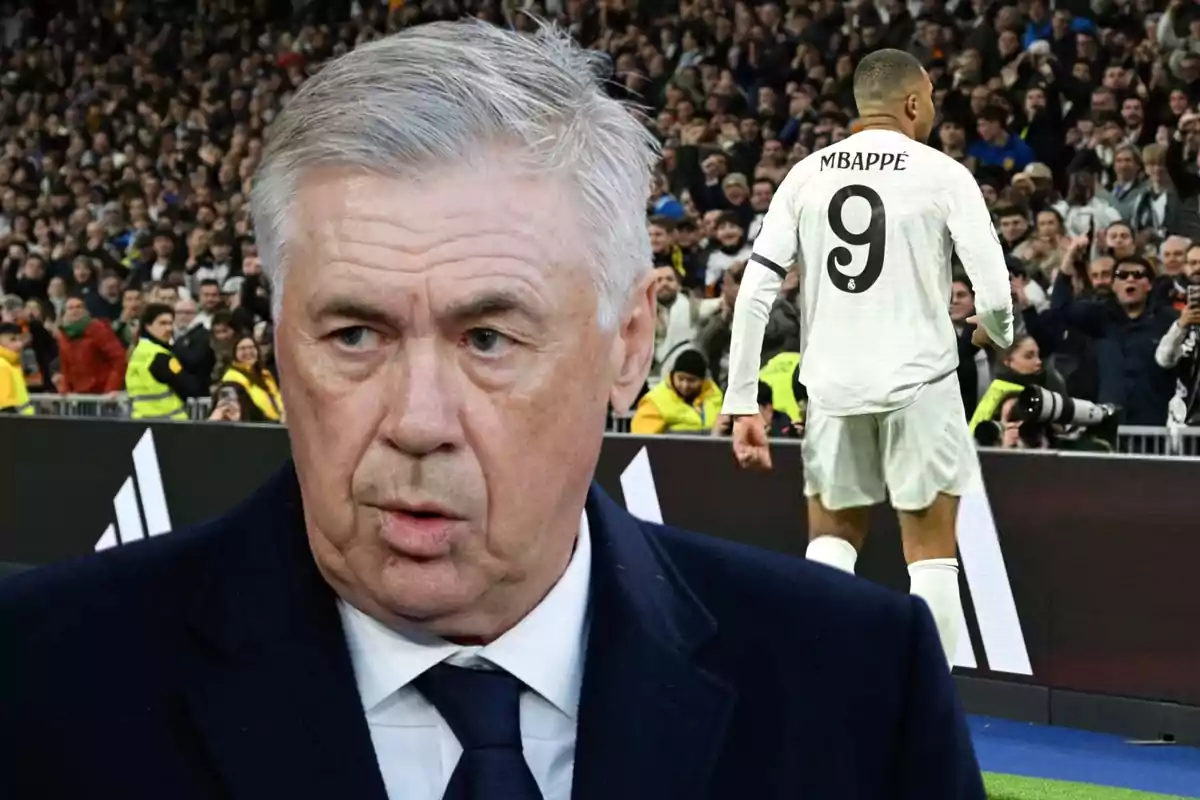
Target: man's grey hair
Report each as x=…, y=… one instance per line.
x=463, y=95
x=1175, y=239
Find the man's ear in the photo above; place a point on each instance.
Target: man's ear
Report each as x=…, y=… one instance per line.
x=633, y=346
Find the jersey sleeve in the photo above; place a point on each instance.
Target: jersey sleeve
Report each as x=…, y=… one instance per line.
x=978, y=247
x=775, y=252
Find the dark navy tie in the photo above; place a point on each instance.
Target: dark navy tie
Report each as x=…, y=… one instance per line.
x=482, y=707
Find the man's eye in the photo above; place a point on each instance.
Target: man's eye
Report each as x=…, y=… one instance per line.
x=486, y=340
x=355, y=338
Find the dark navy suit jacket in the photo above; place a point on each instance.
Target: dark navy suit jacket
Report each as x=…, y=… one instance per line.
x=210, y=663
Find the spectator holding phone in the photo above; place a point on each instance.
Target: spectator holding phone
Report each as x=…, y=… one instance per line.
x=1179, y=350
x=248, y=372
x=231, y=403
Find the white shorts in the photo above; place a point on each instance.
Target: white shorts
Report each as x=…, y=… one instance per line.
x=913, y=453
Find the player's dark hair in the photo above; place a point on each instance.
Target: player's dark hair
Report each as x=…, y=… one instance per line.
x=884, y=77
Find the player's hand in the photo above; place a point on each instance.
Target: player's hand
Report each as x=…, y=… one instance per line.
x=979, y=337
x=750, y=445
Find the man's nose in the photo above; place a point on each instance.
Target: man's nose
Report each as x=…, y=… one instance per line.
x=424, y=399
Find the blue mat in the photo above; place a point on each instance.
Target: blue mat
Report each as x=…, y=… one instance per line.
x=1041, y=751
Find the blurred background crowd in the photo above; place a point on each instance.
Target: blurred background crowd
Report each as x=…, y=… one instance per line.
x=131, y=131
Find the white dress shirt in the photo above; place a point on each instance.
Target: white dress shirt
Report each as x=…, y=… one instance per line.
x=415, y=748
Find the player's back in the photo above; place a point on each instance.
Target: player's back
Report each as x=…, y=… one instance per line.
x=872, y=216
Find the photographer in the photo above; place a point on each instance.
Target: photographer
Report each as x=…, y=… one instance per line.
x=1020, y=366
x=1179, y=350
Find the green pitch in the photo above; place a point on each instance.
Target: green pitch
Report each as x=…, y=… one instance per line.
x=1013, y=787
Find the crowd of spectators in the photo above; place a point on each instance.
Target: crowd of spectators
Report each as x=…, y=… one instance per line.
x=131, y=132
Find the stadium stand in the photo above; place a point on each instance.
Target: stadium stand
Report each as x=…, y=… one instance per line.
x=131, y=132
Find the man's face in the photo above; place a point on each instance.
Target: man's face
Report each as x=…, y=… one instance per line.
x=1013, y=227
x=74, y=311
x=962, y=302
x=666, y=285
x=687, y=236
x=131, y=301
x=1191, y=267
x=210, y=297
x=161, y=327
x=1131, y=283
x=1131, y=110
x=1035, y=100
x=1174, y=255
x=1103, y=101
x=438, y=370
x=110, y=289
x=163, y=247
x=1048, y=225
x=660, y=240
x=952, y=134
x=185, y=314
x=1125, y=165
x=1100, y=275
x=167, y=295
x=221, y=253
x=760, y=196
x=736, y=192
x=1120, y=240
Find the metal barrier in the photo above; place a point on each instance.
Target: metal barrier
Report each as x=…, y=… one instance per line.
x=1154, y=441
x=1132, y=439
x=101, y=406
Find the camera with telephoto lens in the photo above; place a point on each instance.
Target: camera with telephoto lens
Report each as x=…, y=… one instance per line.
x=1095, y=423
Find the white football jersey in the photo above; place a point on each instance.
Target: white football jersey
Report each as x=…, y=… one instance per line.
x=872, y=222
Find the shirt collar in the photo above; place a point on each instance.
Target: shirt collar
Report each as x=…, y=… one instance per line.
x=545, y=650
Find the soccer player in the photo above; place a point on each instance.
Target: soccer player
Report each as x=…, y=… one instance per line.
x=872, y=223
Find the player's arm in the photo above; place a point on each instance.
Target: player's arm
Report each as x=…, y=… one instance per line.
x=978, y=247
x=775, y=252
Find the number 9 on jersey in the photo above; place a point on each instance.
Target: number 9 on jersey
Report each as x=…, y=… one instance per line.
x=874, y=237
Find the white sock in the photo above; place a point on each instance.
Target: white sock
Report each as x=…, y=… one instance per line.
x=935, y=581
x=833, y=552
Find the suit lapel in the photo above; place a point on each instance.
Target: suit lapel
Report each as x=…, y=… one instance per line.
x=651, y=722
x=272, y=692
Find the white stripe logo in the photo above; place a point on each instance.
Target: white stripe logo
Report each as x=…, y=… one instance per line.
x=148, y=488
x=979, y=547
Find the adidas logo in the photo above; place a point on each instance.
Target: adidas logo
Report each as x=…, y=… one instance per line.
x=140, y=504
x=978, y=547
